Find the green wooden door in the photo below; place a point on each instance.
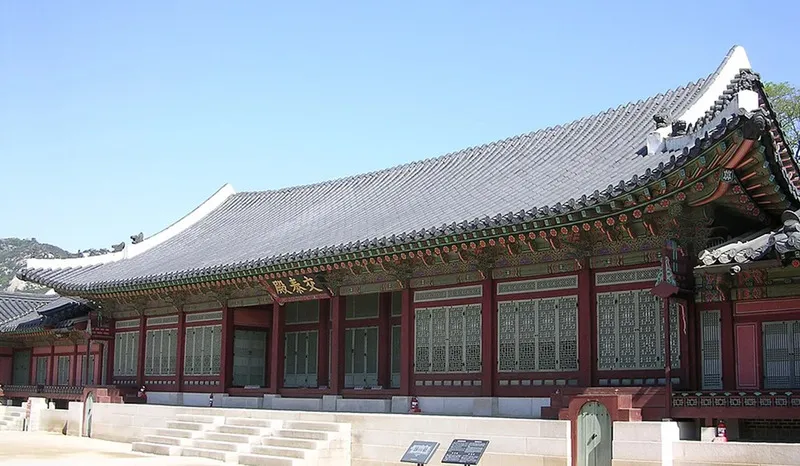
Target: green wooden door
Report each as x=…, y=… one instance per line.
x=249, y=357
x=22, y=368
x=594, y=435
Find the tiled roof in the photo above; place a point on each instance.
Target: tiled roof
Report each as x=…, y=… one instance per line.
x=776, y=244
x=559, y=169
x=13, y=305
x=54, y=313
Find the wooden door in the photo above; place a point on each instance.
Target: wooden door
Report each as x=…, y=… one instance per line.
x=249, y=358
x=22, y=368
x=710, y=348
x=594, y=435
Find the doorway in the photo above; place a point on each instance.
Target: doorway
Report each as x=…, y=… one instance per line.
x=594, y=435
x=22, y=368
x=249, y=358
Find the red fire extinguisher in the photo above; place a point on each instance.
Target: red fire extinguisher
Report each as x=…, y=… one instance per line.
x=414, y=406
x=722, y=431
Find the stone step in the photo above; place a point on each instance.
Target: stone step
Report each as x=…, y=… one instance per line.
x=181, y=425
x=291, y=442
x=156, y=448
x=11, y=415
x=313, y=425
x=243, y=430
x=200, y=419
x=264, y=460
x=221, y=446
x=178, y=433
x=164, y=440
x=246, y=421
x=234, y=438
x=303, y=434
x=289, y=452
x=226, y=456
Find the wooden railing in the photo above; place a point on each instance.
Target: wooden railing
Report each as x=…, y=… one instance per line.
x=70, y=391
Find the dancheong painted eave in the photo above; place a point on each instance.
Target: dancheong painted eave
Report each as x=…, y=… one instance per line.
x=455, y=198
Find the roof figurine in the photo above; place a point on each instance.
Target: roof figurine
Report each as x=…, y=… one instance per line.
x=585, y=175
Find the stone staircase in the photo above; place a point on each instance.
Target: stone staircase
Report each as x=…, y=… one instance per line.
x=251, y=441
x=11, y=418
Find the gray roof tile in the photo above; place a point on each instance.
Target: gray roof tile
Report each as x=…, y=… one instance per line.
x=777, y=244
x=13, y=305
x=557, y=169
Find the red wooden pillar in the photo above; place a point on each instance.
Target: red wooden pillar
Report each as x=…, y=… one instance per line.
x=727, y=346
x=690, y=358
x=180, y=350
x=667, y=357
x=226, y=362
x=406, y=341
x=323, y=346
x=585, y=327
x=488, y=337
x=73, y=367
x=142, y=351
x=109, y=367
x=276, y=349
x=52, y=367
x=338, y=309
x=385, y=340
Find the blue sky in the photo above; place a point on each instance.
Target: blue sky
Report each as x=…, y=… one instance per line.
x=120, y=117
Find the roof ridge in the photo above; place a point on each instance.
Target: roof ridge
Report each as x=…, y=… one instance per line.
x=465, y=150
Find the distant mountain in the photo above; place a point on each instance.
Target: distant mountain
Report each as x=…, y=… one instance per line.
x=15, y=251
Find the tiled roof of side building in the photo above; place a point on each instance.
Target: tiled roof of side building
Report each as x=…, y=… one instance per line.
x=776, y=244
x=13, y=305
x=597, y=156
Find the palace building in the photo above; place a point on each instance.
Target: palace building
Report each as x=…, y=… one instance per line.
x=647, y=257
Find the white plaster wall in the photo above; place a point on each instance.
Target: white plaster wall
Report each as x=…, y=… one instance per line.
x=637, y=441
x=355, y=405
x=75, y=419
x=735, y=453
x=52, y=420
x=378, y=439
x=522, y=407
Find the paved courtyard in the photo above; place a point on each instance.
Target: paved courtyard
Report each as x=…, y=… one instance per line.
x=37, y=448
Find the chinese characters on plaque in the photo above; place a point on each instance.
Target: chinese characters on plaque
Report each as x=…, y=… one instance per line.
x=296, y=286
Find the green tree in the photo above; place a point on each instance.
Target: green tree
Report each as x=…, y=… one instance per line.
x=785, y=100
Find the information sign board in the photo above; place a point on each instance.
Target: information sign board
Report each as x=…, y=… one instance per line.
x=463, y=451
x=420, y=452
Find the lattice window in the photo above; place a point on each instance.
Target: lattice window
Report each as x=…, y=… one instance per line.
x=203, y=350
x=365, y=306
x=630, y=329
x=361, y=357
x=300, y=359
x=302, y=312
x=63, y=370
x=87, y=370
x=397, y=303
x=781, y=342
x=160, y=352
x=538, y=335
x=126, y=354
x=711, y=349
x=448, y=339
x=41, y=371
